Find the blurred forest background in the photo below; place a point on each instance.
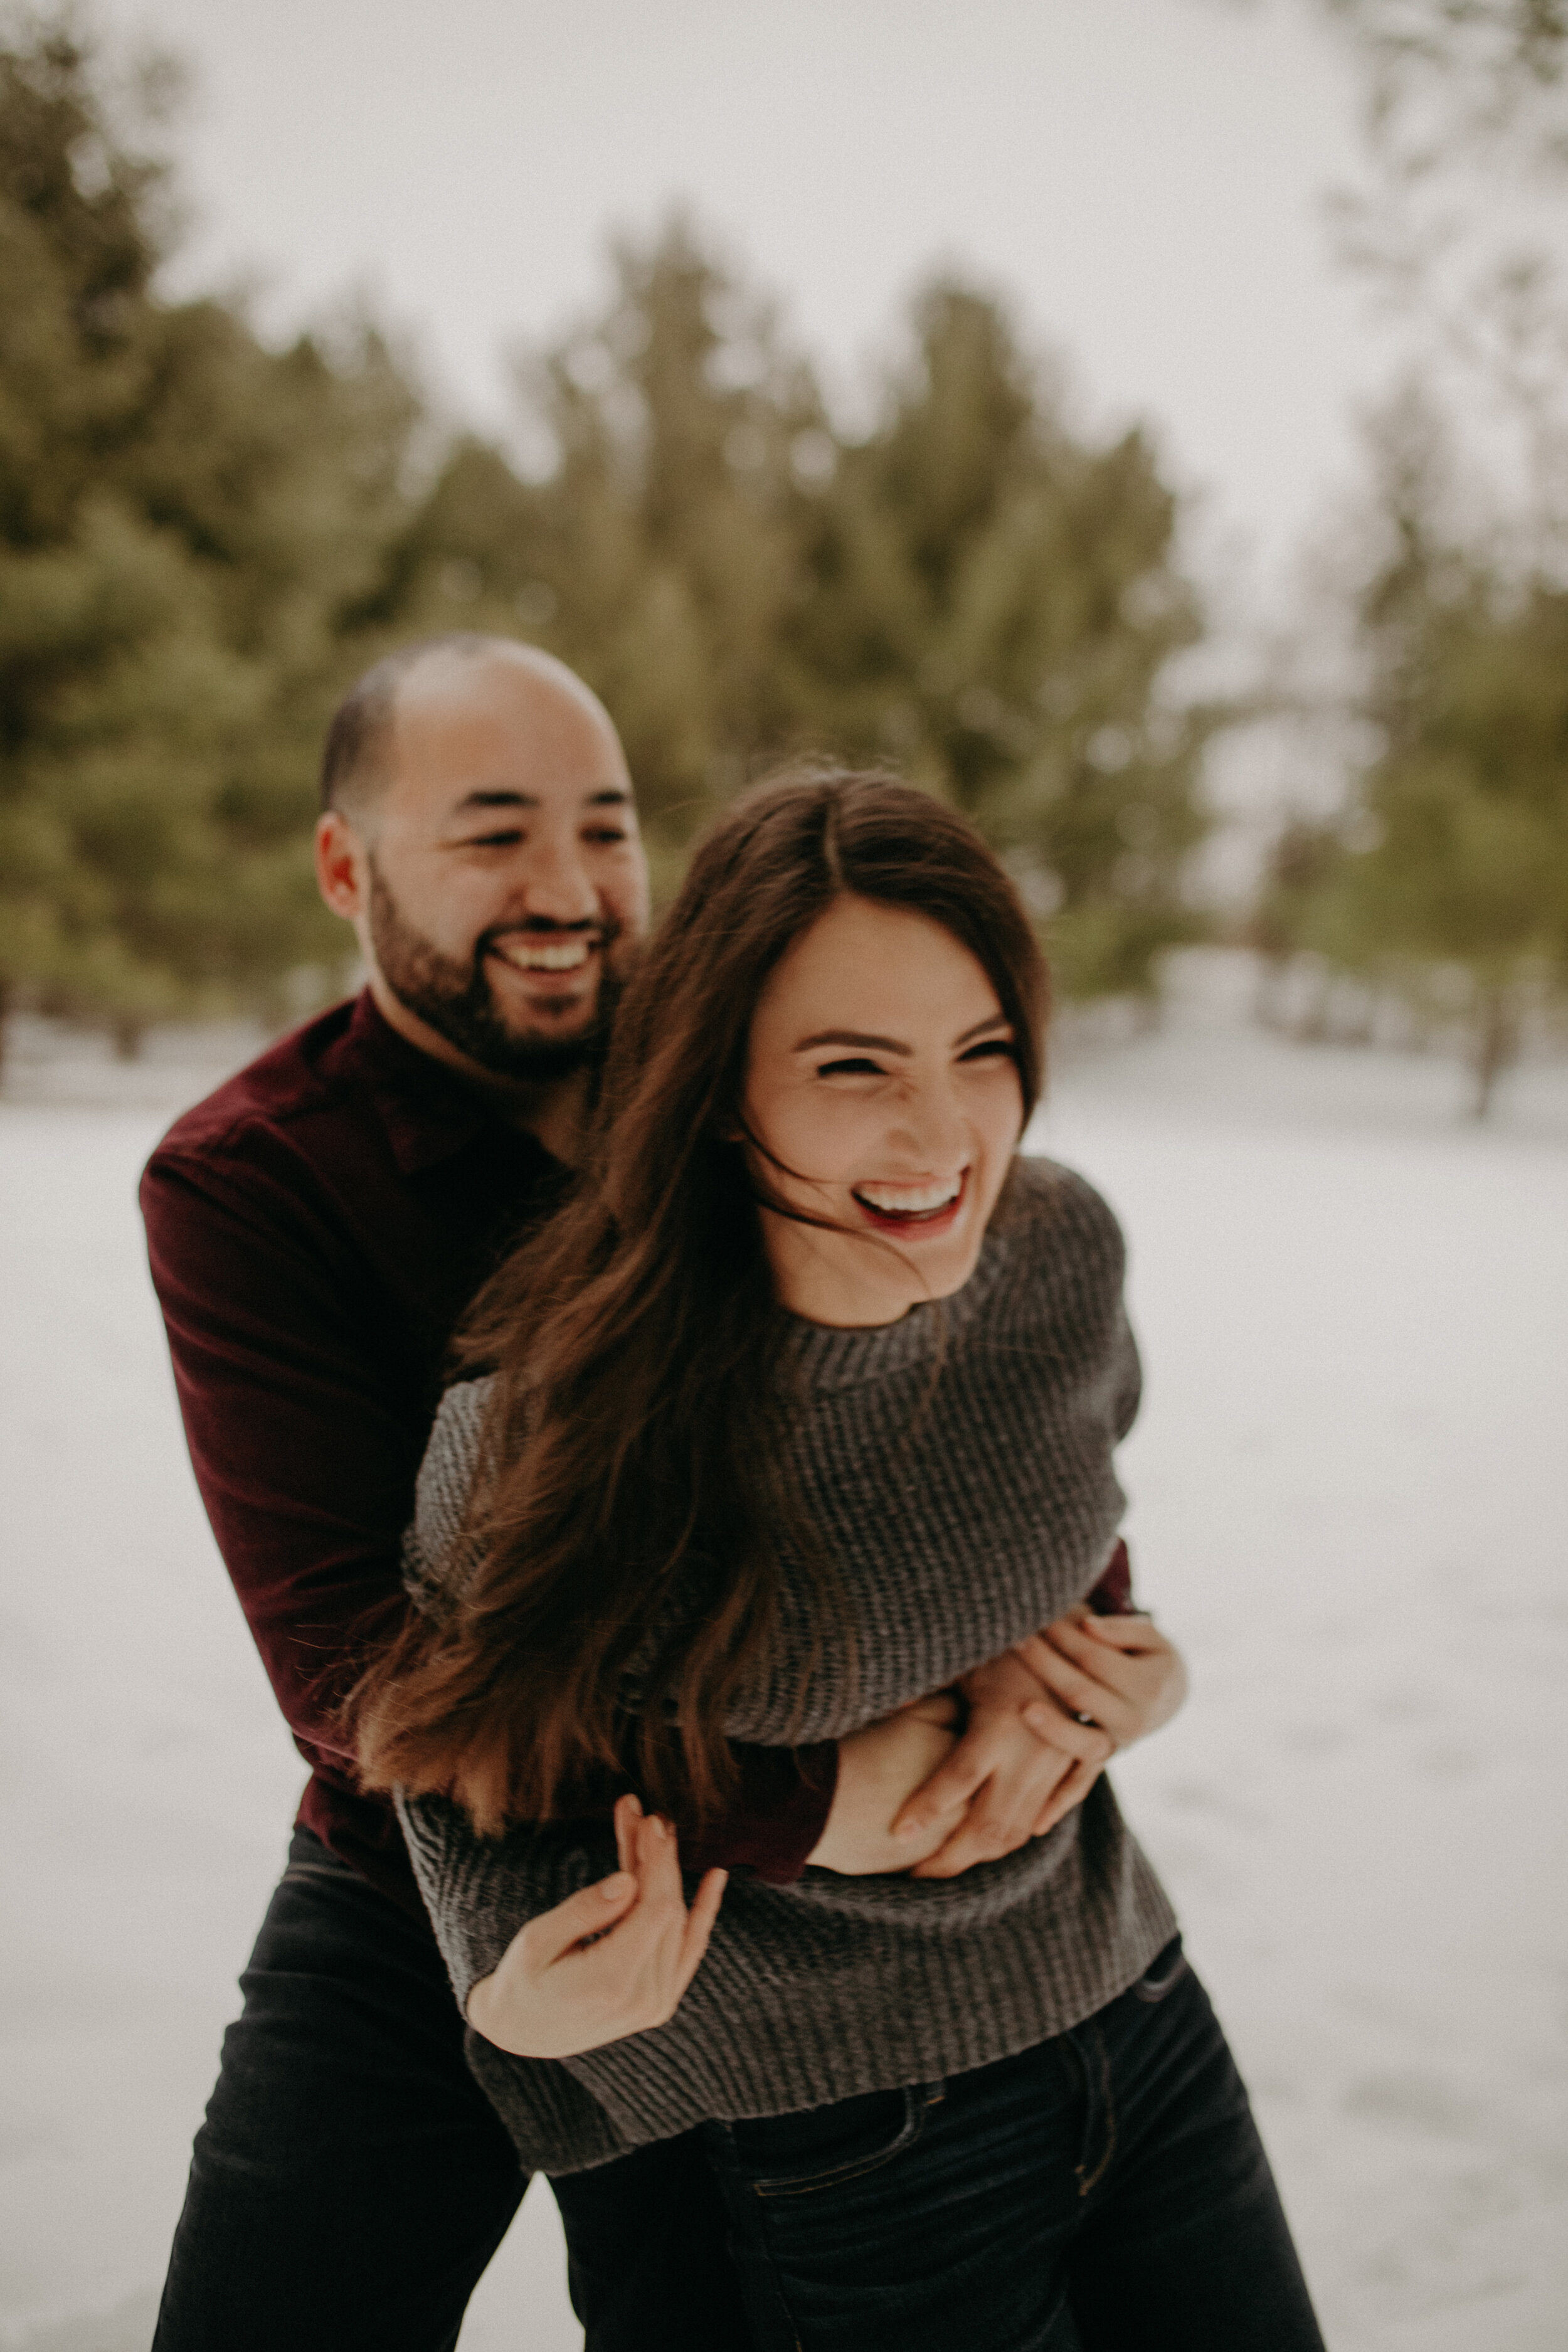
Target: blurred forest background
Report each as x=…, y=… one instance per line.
x=203, y=539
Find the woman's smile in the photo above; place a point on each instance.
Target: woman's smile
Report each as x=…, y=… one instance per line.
x=922, y=1210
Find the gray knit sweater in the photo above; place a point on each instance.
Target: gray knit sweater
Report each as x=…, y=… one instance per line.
x=957, y=1465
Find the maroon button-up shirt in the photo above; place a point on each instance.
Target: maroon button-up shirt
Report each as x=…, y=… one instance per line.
x=315, y=1229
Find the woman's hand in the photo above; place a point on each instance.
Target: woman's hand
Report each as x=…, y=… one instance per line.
x=1121, y=1671
x=610, y=1961
x=877, y=1768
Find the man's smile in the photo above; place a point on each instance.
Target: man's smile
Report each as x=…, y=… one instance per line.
x=532, y=953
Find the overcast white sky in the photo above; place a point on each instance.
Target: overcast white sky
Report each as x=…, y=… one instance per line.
x=1142, y=177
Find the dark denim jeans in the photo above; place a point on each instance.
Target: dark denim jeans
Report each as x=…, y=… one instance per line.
x=1105, y=2190
x=351, y=2181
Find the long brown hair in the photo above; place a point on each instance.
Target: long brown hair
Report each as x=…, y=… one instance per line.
x=633, y=1493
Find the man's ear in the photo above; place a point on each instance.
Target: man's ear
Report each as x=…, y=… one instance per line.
x=339, y=865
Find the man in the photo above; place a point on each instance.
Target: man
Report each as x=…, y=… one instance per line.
x=316, y=1228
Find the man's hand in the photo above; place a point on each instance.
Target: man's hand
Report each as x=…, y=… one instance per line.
x=877, y=1768
x=1022, y=1763
x=1098, y=1683
x=610, y=1961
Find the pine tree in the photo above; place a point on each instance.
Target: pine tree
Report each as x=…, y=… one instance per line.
x=997, y=599
x=969, y=590
x=661, y=550
x=186, y=521
x=1454, y=884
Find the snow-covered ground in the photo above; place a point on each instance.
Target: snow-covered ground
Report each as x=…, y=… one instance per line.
x=1351, y=1505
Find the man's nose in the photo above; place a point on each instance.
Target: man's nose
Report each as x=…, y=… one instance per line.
x=556, y=884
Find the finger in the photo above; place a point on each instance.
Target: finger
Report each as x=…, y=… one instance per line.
x=966, y=1847
x=628, y=1812
x=583, y=1915
x=1132, y=1670
x=1071, y=1791
x=1000, y=1819
x=1036, y=1653
x=953, y=1783
x=659, y=1864
x=1131, y=1630
x=1089, y=1743
x=952, y=1858
x=1102, y=1696
x=1002, y=1816
x=1106, y=1663
x=1110, y=1655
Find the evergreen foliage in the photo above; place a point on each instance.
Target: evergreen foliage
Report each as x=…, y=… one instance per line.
x=185, y=520
x=967, y=590
x=1448, y=881
x=995, y=603
x=201, y=540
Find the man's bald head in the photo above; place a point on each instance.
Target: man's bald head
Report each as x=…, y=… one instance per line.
x=359, y=755
x=479, y=833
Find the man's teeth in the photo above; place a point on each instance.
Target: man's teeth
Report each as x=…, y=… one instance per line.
x=541, y=955
x=909, y=1199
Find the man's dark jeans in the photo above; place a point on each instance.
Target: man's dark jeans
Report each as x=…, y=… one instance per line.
x=351, y=2181
x=1107, y=2189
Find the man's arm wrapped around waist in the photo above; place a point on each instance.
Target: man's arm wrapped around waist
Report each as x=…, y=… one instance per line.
x=306, y=1434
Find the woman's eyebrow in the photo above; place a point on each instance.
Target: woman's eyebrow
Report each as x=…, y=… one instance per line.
x=851, y=1037
x=891, y=1045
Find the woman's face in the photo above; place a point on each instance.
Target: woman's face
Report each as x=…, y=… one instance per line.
x=881, y=1087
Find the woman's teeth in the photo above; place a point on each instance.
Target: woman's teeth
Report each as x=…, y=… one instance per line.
x=910, y=1200
x=541, y=955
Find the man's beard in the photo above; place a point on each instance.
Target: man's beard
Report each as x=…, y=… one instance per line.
x=453, y=995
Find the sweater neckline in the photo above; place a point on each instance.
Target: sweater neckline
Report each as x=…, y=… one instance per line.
x=817, y=1357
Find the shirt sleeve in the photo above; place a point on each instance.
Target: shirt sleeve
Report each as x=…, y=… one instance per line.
x=306, y=1432
x=303, y=1438
x=1112, y=1596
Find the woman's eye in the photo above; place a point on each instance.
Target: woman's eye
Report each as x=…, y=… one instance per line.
x=859, y=1067
x=991, y=1049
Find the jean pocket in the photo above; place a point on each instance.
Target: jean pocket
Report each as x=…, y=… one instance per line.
x=1162, y=1975
x=800, y=2155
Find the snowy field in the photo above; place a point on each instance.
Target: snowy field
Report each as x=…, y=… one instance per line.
x=1351, y=1507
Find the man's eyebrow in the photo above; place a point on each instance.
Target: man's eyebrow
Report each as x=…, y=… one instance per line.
x=503, y=796
x=500, y=798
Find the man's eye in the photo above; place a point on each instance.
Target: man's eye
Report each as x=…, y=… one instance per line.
x=858, y=1068
x=493, y=840
x=606, y=835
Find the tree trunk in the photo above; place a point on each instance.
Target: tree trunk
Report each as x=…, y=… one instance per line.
x=1497, y=1045
x=127, y=1034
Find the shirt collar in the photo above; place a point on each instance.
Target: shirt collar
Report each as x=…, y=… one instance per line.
x=430, y=1111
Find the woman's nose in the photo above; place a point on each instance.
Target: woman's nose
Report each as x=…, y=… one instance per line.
x=932, y=1129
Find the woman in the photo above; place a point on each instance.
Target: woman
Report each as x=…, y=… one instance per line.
x=805, y=1406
